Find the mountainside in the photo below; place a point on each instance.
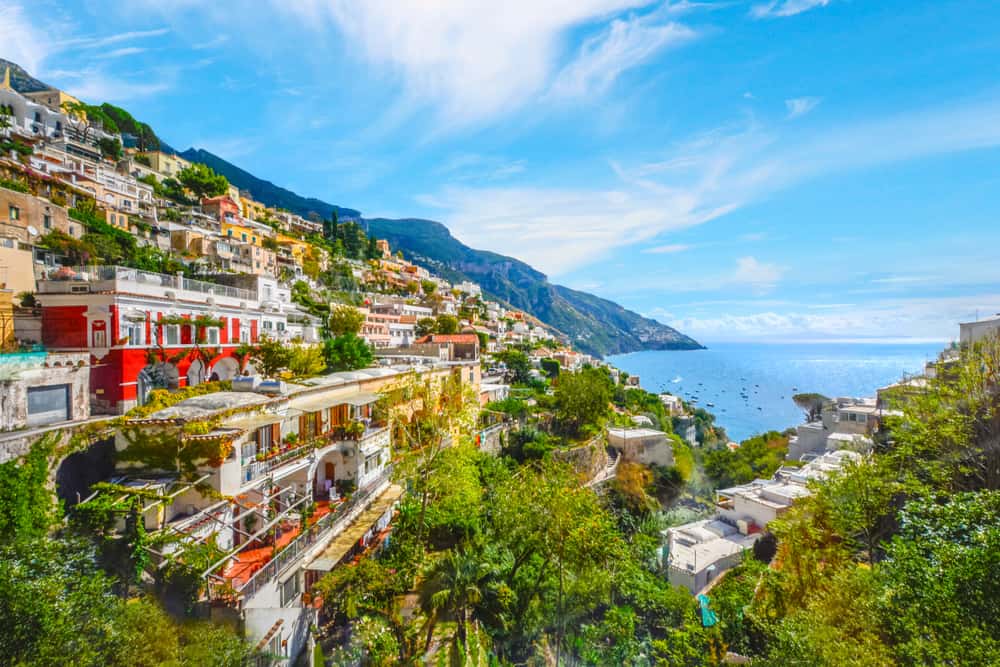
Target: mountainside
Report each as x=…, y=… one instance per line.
x=267, y=192
x=596, y=325
x=20, y=80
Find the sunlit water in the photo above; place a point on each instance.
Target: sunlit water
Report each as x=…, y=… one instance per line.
x=769, y=374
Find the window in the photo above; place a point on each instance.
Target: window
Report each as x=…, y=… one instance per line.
x=15, y=213
x=229, y=233
x=268, y=325
x=371, y=464
x=100, y=338
x=47, y=221
x=171, y=334
x=212, y=336
x=136, y=333
x=244, y=238
x=290, y=590
x=244, y=334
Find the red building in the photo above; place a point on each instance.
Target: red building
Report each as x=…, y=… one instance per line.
x=135, y=326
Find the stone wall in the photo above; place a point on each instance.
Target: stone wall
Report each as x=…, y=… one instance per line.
x=588, y=459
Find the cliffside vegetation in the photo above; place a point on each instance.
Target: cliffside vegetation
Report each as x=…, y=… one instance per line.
x=60, y=605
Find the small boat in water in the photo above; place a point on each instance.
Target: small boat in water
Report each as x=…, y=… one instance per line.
x=711, y=405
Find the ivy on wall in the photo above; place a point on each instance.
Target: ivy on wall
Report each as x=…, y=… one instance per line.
x=28, y=508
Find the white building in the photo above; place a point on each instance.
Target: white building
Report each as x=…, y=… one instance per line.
x=974, y=332
x=698, y=552
x=642, y=445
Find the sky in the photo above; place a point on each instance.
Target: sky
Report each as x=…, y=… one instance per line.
x=741, y=170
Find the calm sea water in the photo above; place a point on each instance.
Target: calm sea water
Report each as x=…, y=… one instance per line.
x=770, y=374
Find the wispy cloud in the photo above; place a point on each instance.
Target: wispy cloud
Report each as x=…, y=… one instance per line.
x=624, y=44
x=20, y=40
x=96, y=85
x=669, y=249
x=760, y=276
x=697, y=181
x=122, y=52
x=800, y=106
x=102, y=42
x=780, y=8
x=471, y=61
x=919, y=319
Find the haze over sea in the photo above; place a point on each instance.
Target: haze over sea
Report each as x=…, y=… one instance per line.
x=771, y=373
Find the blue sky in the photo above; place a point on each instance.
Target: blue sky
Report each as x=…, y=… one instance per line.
x=771, y=169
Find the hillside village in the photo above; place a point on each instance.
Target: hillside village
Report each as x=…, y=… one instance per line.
x=274, y=440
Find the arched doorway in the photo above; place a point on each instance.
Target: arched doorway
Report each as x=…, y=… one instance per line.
x=225, y=368
x=196, y=373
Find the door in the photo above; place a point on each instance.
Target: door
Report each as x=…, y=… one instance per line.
x=47, y=405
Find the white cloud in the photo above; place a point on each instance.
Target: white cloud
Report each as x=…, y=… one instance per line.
x=800, y=106
x=122, y=52
x=20, y=41
x=96, y=85
x=697, y=181
x=761, y=277
x=472, y=60
x=111, y=40
x=914, y=319
x=668, y=249
x=624, y=44
x=780, y=8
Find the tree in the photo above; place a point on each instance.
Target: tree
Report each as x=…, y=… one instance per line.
x=454, y=586
x=582, y=400
x=347, y=352
x=111, y=148
x=345, y=319
x=428, y=287
x=861, y=496
x=271, y=356
x=551, y=368
x=518, y=366
x=306, y=360
x=446, y=324
x=425, y=325
x=202, y=181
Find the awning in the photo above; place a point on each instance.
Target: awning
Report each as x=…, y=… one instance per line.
x=361, y=399
x=315, y=403
x=344, y=542
x=255, y=421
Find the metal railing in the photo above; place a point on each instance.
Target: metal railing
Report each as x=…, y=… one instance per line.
x=313, y=534
x=137, y=276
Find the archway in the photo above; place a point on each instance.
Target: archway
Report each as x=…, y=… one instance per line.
x=225, y=368
x=196, y=373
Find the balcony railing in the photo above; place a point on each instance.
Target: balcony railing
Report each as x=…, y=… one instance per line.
x=94, y=274
x=312, y=535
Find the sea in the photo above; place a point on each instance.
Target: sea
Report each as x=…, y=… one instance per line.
x=769, y=374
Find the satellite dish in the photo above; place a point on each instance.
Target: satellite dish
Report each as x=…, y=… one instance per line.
x=32, y=230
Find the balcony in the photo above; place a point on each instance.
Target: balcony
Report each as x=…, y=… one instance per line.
x=221, y=586
x=371, y=438
x=84, y=279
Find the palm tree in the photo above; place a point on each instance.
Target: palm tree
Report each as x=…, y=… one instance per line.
x=454, y=586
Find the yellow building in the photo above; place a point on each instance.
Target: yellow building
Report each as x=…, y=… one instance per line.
x=252, y=210
x=246, y=231
x=165, y=163
x=52, y=98
x=297, y=247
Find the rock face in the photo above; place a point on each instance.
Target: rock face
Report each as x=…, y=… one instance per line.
x=594, y=324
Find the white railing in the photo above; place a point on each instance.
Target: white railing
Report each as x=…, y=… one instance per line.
x=316, y=532
x=123, y=274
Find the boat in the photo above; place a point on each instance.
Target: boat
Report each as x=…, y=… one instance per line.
x=711, y=405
